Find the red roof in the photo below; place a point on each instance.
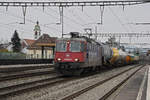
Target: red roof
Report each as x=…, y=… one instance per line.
x=29, y=41
x=44, y=39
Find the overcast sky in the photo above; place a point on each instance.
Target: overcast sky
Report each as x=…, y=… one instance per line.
x=115, y=19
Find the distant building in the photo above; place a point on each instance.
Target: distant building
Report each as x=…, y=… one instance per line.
x=42, y=48
x=6, y=47
x=25, y=43
x=2, y=48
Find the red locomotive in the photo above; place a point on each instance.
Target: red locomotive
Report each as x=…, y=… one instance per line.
x=79, y=53
x=74, y=55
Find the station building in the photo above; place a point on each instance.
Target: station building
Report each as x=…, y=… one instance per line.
x=42, y=48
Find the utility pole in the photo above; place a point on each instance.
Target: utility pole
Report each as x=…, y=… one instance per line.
x=102, y=12
x=62, y=19
x=130, y=39
x=62, y=22
x=24, y=9
x=119, y=40
x=95, y=32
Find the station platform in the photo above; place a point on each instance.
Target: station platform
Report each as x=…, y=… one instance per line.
x=148, y=86
x=136, y=88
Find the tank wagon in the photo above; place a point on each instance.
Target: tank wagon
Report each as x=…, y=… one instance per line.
x=79, y=53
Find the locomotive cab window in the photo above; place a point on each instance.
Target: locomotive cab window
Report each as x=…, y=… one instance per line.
x=75, y=46
x=61, y=46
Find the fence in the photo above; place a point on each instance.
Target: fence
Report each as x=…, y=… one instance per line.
x=8, y=55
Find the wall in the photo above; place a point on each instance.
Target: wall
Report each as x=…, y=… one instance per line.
x=37, y=54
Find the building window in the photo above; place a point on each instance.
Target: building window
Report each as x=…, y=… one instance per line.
x=37, y=56
x=31, y=56
x=34, y=51
x=45, y=53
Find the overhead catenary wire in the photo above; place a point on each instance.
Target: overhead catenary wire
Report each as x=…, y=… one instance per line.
x=68, y=24
x=119, y=20
x=69, y=19
x=74, y=21
x=57, y=18
x=29, y=20
x=82, y=26
x=10, y=27
x=75, y=15
x=42, y=25
x=21, y=29
x=84, y=11
x=130, y=26
x=123, y=25
x=46, y=13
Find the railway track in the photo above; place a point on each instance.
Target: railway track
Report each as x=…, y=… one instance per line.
x=17, y=68
x=10, y=72
x=24, y=87
x=20, y=88
x=49, y=82
x=109, y=93
x=78, y=93
x=23, y=75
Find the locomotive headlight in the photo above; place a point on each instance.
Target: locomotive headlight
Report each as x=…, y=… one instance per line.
x=76, y=59
x=59, y=59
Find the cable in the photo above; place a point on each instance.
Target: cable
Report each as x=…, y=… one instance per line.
x=58, y=19
x=78, y=17
x=72, y=20
x=118, y=19
x=125, y=17
x=12, y=28
x=68, y=18
x=87, y=14
x=29, y=21
x=47, y=13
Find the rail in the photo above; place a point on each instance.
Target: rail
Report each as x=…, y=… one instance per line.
x=78, y=93
x=25, y=61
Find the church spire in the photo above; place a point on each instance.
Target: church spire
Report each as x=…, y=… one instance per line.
x=37, y=30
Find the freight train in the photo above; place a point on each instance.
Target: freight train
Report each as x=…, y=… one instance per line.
x=79, y=53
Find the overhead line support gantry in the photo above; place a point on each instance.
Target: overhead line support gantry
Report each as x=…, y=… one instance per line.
x=121, y=34
x=24, y=5
x=68, y=4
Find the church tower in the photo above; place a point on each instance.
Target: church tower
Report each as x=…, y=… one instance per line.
x=37, y=31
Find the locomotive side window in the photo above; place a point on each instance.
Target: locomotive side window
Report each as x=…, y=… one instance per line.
x=75, y=46
x=82, y=47
x=61, y=46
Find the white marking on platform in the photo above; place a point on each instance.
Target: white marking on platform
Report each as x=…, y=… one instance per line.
x=148, y=86
x=142, y=86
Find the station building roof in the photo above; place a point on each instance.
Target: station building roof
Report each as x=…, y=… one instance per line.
x=45, y=40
